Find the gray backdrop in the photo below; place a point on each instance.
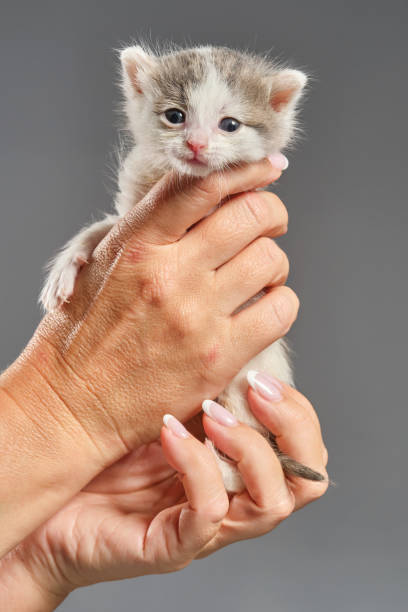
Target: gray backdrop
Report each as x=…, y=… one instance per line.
x=346, y=194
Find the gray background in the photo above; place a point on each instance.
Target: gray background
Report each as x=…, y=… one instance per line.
x=346, y=194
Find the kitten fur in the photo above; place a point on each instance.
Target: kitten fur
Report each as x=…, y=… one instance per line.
x=207, y=84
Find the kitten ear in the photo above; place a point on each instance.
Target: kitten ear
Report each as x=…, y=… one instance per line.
x=286, y=88
x=136, y=65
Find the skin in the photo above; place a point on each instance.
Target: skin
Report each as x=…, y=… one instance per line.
x=151, y=328
x=164, y=505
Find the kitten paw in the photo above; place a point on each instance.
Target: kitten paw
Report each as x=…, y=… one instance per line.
x=60, y=283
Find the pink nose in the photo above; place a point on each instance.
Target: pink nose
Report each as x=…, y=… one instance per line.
x=196, y=146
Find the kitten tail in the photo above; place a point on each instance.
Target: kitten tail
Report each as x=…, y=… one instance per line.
x=294, y=468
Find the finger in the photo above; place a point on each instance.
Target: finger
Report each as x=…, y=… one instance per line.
x=301, y=399
x=235, y=225
x=207, y=501
x=257, y=462
x=290, y=392
x=268, y=319
x=201, y=478
x=175, y=203
x=260, y=265
x=294, y=428
x=275, y=406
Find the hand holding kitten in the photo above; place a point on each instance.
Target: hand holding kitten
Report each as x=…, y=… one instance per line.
x=176, y=337
x=152, y=326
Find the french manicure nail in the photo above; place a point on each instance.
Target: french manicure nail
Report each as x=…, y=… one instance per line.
x=270, y=388
x=279, y=161
x=175, y=426
x=219, y=414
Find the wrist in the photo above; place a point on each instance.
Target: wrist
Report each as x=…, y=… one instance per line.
x=47, y=455
x=52, y=395
x=26, y=590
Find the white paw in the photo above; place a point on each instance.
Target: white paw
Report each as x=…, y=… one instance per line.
x=60, y=283
x=230, y=474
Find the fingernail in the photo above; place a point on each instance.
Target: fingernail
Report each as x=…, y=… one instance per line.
x=270, y=388
x=175, y=426
x=219, y=414
x=279, y=161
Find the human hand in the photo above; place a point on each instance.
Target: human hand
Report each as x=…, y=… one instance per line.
x=152, y=322
x=164, y=505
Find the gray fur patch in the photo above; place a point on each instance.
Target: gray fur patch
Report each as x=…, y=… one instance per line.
x=245, y=75
x=176, y=74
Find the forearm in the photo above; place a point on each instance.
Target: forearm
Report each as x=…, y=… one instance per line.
x=21, y=590
x=46, y=456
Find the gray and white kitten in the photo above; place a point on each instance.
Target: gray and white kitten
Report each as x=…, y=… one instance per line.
x=195, y=111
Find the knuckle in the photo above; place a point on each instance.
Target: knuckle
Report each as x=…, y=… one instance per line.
x=180, y=564
x=255, y=208
x=293, y=299
x=314, y=490
x=306, y=404
x=281, y=211
x=209, y=354
x=303, y=400
x=285, y=262
x=278, y=211
x=300, y=417
x=186, y=324
x=154, y=290
x=156, y=283
x=269, y=249
x=207, y=187
x=271, y=252
x=283, y=508
x=285, y=307
x=284, y=267
x=202, y=331
x=216, y=509
x=210, y=361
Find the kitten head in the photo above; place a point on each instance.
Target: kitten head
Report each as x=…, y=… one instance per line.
x=203, y=109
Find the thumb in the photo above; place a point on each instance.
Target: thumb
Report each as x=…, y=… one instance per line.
x=176, y=202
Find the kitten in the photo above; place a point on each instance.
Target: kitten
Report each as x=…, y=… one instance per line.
x=197, y=111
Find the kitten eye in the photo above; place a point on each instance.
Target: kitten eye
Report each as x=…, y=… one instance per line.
x=174, y=115
x=229, y=124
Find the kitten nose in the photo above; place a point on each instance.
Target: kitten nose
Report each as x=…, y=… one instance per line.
x=196, y=146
